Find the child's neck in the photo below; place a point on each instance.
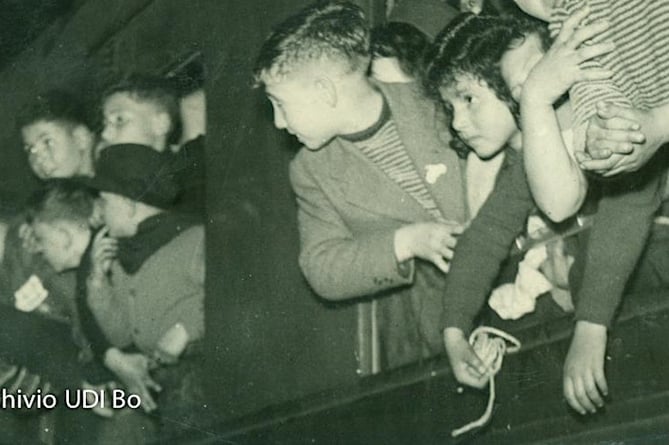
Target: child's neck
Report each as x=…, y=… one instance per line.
x=365, y=105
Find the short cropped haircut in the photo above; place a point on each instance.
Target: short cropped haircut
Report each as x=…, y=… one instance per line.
x=404, y=42
x=61, y=200
x=335, y=30
x=54, y=106
x=155, y=90
x=473, y=46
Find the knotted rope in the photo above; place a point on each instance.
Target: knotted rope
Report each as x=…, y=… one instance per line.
x=490, y=345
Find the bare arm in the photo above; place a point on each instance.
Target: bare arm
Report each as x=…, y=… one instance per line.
x=557, y=183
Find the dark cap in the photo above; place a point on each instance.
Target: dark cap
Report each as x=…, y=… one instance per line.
x=137, y=172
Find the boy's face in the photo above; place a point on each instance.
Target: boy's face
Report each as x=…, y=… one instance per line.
x=517, y=62
x=55, y=149
x=302, y=108
x=480, y=118
x=130, y=121
x=117, y=213
x=61, y=243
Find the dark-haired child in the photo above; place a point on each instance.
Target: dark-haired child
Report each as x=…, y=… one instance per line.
x=143, y=109
x=147, y=291
x=398, y=52
x=465, y=74
x=632, y=76
x=380, y=196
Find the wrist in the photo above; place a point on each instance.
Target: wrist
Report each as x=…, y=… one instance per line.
x=401, y=245
x=111, y=356
x=584, y=327
x=453, y=334
x=534, y=98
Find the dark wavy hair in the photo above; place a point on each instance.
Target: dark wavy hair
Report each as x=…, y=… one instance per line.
x=473, y=45
x=403, y=41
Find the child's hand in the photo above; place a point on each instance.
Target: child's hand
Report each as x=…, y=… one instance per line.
x=430, y=241
x=466, y=365
x=171, y=345
x=584, y=383
x=560, y=67
x=103, y=253
x=617, y=148
x=29, y=241
x=133, y=371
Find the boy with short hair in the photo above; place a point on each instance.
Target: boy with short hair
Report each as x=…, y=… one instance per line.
x=57, y=137
x=148, y=293
x=380, y=195
x=144, y=109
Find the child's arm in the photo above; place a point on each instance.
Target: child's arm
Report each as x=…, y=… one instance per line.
x=558, y=184
x=617, y=238
x=614, y=144
x=479, y=254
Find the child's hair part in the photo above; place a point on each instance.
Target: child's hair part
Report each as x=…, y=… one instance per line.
x=337, y=31
x=473, y=46
x=61, y=200
x=404, y=42
x=155, y=90
x=54, y=106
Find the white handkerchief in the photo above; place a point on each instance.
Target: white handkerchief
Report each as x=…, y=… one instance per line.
x=29, y=296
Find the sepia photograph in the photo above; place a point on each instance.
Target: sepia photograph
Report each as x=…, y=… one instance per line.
x=373, y=222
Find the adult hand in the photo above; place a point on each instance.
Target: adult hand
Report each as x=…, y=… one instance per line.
x=430, y=241
x=628, y=150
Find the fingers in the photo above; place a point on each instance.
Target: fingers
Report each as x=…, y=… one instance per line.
x=600, y=381
x=570, y=395
x=582, y=396
x=587, y=32
x=569, y=26
x=441, y=263
x=593, y=74
x=598, y=164
x=610, y=111
x=148, y=404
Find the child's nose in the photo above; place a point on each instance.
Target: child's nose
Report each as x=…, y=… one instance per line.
x=107, y=133
x=459, y=122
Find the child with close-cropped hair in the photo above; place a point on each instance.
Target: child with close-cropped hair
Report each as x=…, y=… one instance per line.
x=380, y=196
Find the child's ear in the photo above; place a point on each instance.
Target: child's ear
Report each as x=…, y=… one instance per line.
x=162, y=124
x=517, y=92
x=326, y=89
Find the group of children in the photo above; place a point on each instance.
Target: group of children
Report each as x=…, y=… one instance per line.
x=561, y=115
x=111, y=250
x=389, y=210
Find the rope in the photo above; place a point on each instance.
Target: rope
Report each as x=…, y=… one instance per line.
x=491, y=351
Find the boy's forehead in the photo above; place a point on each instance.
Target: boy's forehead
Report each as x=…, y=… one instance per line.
x=126, y=101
